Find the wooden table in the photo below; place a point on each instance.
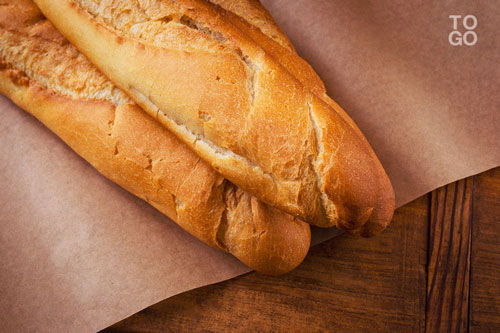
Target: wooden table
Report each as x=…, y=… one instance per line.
x=437, y=268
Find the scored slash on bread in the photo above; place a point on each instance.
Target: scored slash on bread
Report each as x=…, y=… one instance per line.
x=242, y=101
x=258, y=17
x=45, y=75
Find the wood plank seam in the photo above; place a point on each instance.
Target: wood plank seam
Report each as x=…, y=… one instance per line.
x=449, y=258
x=470, y=252
x=484, y=310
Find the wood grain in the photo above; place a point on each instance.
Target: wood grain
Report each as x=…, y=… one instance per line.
x=449, y=258
x=485, y=258
x=344, y=284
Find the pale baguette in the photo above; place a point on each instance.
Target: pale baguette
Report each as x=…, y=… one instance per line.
x=45, y=75
x=234, y=104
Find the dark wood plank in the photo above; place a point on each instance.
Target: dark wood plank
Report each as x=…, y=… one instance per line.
x=346, y=284
x=449, y=258
x=485, y=258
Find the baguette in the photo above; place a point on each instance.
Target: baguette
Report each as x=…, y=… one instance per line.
x=45, y=75
x=230, y=100
x=279, y=48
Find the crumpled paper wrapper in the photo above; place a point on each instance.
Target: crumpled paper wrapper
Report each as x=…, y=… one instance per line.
x=78, y=253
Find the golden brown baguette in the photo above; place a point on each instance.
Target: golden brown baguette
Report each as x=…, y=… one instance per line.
x=44, y=74
x=234, y=104
x=301, y=70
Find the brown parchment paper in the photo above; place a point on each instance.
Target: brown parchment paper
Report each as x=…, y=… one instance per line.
x=78, y=253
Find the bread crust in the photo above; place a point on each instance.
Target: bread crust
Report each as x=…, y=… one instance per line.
x=300, y=69
x=247, y=115
x=130, y=148
x=257, y=16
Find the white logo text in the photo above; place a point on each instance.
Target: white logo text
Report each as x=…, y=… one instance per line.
x=469, y=37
